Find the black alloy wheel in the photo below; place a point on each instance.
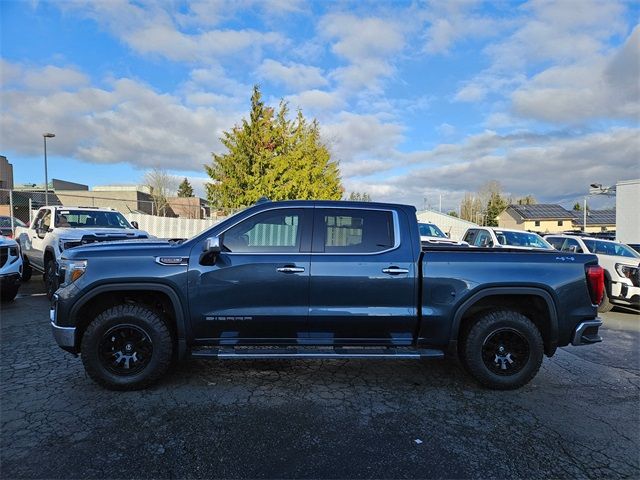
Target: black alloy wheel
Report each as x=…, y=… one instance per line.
x=125, y=350
x=505, y=351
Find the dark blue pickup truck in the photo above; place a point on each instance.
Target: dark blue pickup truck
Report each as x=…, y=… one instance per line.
x=320, y=279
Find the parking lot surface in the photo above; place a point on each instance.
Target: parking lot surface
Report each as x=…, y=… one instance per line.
x=579, y=418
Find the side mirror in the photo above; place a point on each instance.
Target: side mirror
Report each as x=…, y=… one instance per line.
x=135, y=225
x=210, y=251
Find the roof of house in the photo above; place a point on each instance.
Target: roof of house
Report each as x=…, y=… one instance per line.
x=596, y=217
x=541, y=211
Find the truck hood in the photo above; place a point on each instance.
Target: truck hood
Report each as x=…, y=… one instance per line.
x=98, y=233
x=120, y=248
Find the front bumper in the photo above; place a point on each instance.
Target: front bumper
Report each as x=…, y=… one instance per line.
x=10, y=279
x=65, y=337
x=586, y=333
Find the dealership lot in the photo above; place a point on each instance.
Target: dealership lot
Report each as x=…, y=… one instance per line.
x=332, y=419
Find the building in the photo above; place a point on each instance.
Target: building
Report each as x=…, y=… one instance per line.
x=453, y=226
x=541, y=218
x=6, y=173
x=124, y=198
x=627, y=216
x=597, y=221
x=189, y=207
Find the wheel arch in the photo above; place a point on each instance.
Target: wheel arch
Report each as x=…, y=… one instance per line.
x=509, y=297
x=110, y=294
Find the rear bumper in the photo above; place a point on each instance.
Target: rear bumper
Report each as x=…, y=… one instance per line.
x=586, y=333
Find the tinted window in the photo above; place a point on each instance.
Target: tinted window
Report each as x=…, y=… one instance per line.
x=470, y=236
x=356, y=231
x=571, y=245
x=275, y=231
x=483, y=239
x=46, y=220
x=6, y=222
x=555, y=242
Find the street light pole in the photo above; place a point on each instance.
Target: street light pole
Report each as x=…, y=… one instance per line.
x=584, y=216
x=46, y=176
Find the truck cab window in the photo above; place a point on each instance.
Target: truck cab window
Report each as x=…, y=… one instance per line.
x=275, y=231
x=364, y=231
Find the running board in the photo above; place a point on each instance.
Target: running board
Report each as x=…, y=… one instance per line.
x=321, y=353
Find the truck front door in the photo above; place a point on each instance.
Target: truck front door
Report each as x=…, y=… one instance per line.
x=363, y=278
x=43, y=223
x=257, y=291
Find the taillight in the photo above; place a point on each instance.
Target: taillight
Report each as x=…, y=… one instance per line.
x=595, y=281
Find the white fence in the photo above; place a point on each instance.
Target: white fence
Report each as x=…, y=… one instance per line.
x=170, y=227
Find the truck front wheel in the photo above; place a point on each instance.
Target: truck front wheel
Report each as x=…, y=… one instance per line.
x=26, y=269
x=127, y=347
x=503, y=350
x=50, y=278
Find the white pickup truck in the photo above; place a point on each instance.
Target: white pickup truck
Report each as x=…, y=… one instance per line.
x=10, y=268
x=58, y=228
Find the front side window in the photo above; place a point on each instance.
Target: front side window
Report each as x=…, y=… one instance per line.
x=571, y=245
x=556, y=242
x=356, y=231
x=276, y=231
x=483, y=239
x=46, y=221
x=470, y=236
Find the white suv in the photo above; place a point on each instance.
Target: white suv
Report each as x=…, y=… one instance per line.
x=620, y=262
x=57, y=228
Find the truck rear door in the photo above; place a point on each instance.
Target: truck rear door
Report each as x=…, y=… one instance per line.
x=362, y=285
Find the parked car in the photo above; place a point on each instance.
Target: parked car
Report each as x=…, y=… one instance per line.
x=495, y=237
x=635, y=246
x=10, y=268
x=431, y=234
x=57, y=228
x=6, y=229
x=620, y=262
x=320, y=279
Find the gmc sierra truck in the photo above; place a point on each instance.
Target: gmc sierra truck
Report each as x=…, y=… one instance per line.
x=320, y=279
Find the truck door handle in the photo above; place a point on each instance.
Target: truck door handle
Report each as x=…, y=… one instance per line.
x=290, y=269
x=394, y=270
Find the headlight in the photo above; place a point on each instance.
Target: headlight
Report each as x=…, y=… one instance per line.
x=627, y=271
x=65, y=244
x=71, y=270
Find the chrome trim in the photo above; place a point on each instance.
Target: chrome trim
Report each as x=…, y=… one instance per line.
x=290, y=269
x=577, y=335
x=395, y=270
x=64, y=336
x=396, y=231
x=329, y=353
x=184, y=261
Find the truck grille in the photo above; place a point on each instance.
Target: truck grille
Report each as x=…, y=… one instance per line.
x=4, y=254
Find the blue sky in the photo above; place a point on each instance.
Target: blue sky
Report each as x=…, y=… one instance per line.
x=415, y=99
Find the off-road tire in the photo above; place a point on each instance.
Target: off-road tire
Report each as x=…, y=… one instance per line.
x=605, y=305
x=50, y=278
x=486, y=328
x=141, y=318
x=8, y=293
x=27, y=270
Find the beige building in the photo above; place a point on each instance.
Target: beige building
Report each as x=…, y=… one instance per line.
x=188, y=207
x=541, y=218
x=125, y=200
x=6, y=173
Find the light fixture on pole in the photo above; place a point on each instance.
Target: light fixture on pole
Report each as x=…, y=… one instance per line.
x=46, y=176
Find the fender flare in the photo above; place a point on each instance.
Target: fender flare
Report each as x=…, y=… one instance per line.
x=552, y=342
x=141, y=286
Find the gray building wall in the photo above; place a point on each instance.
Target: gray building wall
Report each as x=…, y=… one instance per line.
x=627, y=216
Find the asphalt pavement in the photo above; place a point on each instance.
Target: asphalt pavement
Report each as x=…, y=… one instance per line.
x=579, y=418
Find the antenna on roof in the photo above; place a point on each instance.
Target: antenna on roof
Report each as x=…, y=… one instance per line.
x=262, y=200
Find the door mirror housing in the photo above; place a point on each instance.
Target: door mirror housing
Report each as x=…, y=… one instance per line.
x=210, y=251
x=135, y=225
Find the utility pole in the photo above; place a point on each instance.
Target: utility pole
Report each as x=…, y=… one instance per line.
x=46, y=176
x=584, y=216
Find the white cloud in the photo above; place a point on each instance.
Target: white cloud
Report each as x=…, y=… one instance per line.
x=316, y=101
x=601, y=87
x=367, y=43
x=129, y=122
x=294, y=76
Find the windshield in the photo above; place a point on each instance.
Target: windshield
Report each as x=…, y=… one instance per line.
x=609, y=248
x=90, y=219
x=430, y=230
x=6, y=222
x=522, y=239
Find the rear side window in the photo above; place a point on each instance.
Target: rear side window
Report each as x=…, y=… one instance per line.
x=555, y=242
x=470, y=236
x=354, y=231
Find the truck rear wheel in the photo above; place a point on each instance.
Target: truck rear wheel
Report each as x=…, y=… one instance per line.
x=127, y=347
x=26, y=269
x=503, y=350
